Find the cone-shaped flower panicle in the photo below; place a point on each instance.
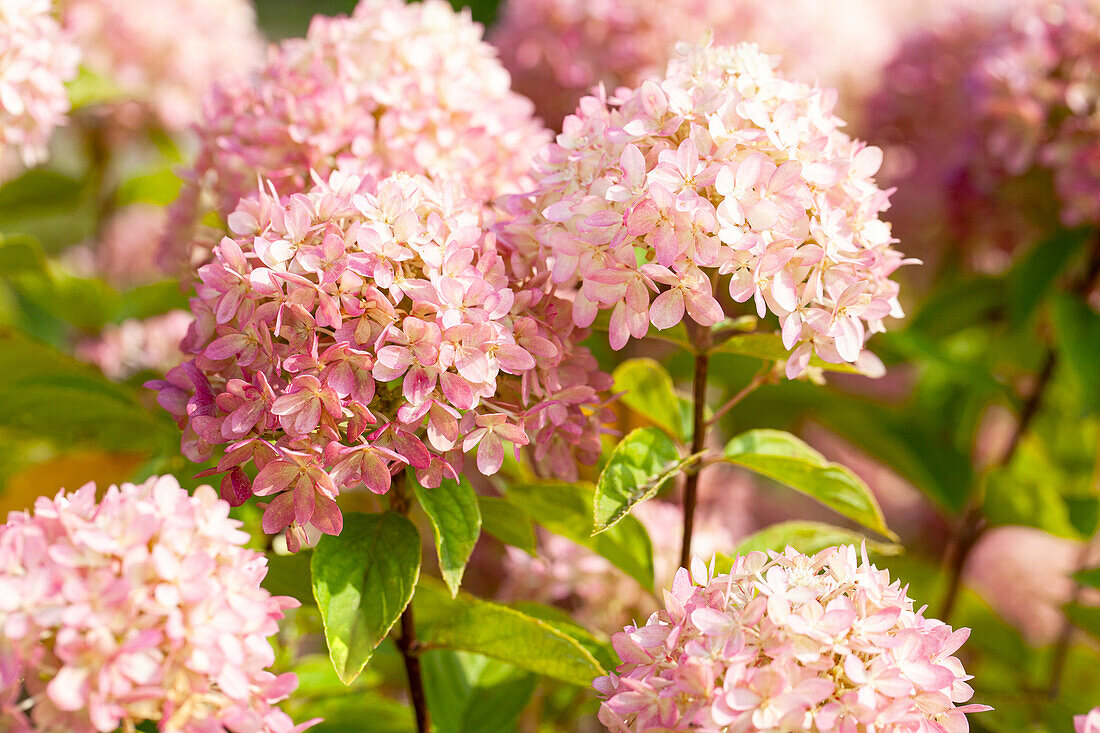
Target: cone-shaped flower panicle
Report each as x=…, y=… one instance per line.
x=143, y=606
x=36, y=59
x=723, y=174
x=788, y=642
x=395, y=87
x=351, y=331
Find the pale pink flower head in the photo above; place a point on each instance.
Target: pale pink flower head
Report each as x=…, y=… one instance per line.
x=143, y=606
x=559, y=50
x=163, y=56
x=36, y=59
x=358, y=329
x=395, y=87
x=1087, y=723
x=723, y=174
x=993, y=117
x=788, y=642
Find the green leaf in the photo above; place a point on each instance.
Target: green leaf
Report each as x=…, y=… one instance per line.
x=1088, y=577
x=649, y=391
x=150, y=300
x=490, y=629
x=37, y=379
x=808, y=538
x=38, y=191
x=19, y=254
x=784, y=458
x=567, y=510
x=89, y=88
x=470, y=693
x=1031, y=278
x=456, y=524
x=288, y=575
x=769, y=347
x=1084, y=617
x=363, y=580
x=643, y=461
x=158, y=188
x=1013, y=498
x=1078, y=330
x=507, y=522
x=600, y=648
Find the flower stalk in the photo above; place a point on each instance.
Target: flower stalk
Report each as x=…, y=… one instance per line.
x=701, y=339
x=406, y=642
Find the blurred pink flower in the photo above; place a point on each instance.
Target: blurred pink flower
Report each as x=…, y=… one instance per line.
x=36, y=59
x=1024, y=574
x=788, y=642
x=163, y=56
x=395, y=87
x=723, y=167
x=136, y=345
x=145, y=606
x=1087, y=723
x=351, y=331
x=993, y=119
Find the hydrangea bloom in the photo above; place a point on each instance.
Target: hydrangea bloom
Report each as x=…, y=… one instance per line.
x=145, y=606
x=137, y=345
x=395, y=87
x=996, y=115
x=722, y=168
x=353, y=330
x=1087, y=723
x=163, y=56
x=788, y=642
x=36, y=59
x=558, y=50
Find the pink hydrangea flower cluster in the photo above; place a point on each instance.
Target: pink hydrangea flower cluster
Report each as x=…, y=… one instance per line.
x=137, y=345
x=36, y=59
x=788, y=642
x=722, y=168
x=348, y=332
x=989, y=110
x=144, y=606
x=1087, y=723
x=559, y=50
x=163, y=56
x=395, y=87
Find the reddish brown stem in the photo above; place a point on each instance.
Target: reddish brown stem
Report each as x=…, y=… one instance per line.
x=698, y=437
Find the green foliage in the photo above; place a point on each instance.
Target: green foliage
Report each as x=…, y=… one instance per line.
x=20, y=254
x=469, y=693
x=1032, y=277
x=507, y=522
x=649, y=391
x=784, y=458
x=362, y=581
x=1088, y=577
x=50, y=395
x=567, y=510
x=808, y=538
x=639, y=466
x=289, y=575
x=470, y=624
x=769, y=347
x=452, y=509
x=1078, y=330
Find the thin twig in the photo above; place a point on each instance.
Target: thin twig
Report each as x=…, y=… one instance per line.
x=407, y=643
x=701, y=337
